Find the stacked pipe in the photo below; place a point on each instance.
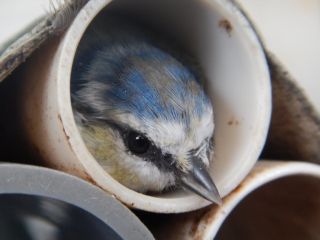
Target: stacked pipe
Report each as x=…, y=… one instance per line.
x=261, y=199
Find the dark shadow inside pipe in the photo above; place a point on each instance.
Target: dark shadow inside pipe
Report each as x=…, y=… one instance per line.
x=287, y=208
x=30, y=217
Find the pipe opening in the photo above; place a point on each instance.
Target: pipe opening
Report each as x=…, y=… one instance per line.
x=31, y=217
x=215, y=36
x=286, y=208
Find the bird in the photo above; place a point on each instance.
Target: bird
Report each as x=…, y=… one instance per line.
x=141, y=109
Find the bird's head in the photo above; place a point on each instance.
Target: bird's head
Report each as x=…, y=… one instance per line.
x=146, y=119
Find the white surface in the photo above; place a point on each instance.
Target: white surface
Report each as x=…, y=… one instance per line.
x=291, y=30
x=17, y=15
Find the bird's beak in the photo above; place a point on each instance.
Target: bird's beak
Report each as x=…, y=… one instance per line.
x=200, y=182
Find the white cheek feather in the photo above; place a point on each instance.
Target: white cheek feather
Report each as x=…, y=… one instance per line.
x=139, y=174
x=173, y=138
x=203, y=128
x=142, y=175
x=162, y=133
x=109, y=150
x=152, y=179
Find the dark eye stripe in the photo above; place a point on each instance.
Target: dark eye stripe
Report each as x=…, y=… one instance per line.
x=164, y=161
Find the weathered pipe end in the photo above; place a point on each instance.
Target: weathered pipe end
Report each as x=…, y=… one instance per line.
x=238, y=83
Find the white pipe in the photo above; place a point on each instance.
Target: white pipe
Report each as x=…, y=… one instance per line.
x=220, y=37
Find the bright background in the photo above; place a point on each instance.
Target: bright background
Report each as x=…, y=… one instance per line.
x=290, y=29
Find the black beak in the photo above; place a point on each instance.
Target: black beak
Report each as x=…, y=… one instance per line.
x=200, y=182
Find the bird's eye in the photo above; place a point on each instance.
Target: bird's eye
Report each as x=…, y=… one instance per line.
x=137, y=143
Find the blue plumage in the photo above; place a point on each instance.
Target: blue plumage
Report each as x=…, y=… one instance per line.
x=126, y=67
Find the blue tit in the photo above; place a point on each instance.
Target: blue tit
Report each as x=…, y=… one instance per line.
x=142, y=111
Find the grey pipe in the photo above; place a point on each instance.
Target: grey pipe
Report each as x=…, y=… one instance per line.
x=39, y=203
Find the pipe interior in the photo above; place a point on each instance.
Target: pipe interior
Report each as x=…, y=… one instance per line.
x=31, y=217
x=196, y=27
x=287, y=208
